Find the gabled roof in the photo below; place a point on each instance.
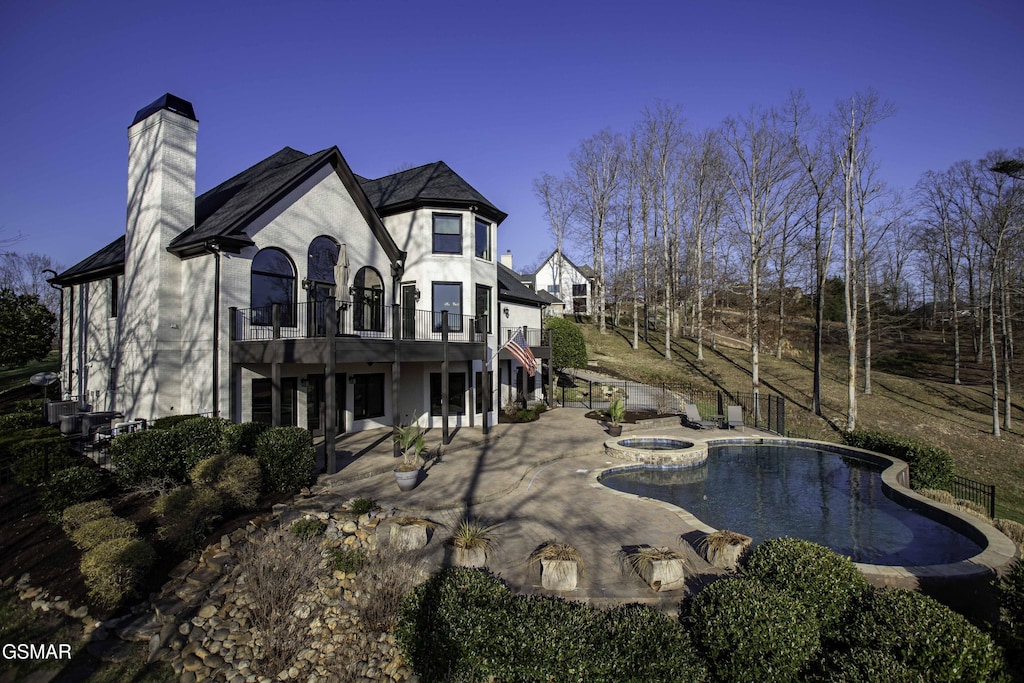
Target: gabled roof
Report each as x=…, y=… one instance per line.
x=511, y=289
x=585, y=271
x=550, y=298
x=433, y=184
x=106, y=262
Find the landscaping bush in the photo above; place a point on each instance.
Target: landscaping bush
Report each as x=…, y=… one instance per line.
x=930, y=467
x=20, y=420
x=150, y=454
x=348, y=560
x=74, y=485
x=188, y=515
x=240, y=481
x=198, y=438
x=1013, y=530
x=170, y=421
x=463, y=624
x=861, y=665
x=76, y=515
x=925, y=635
x=115, y=569
x=569, y=350
x=287, y=458
x=207, y=471
x=240, y=439
x=361, y=506
x=93, y=534
x=827, y=583
x=749, y=631
x=1010, y=589
x=308, y=527
x=36, y=460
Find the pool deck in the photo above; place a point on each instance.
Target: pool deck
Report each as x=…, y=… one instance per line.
x=539, y=482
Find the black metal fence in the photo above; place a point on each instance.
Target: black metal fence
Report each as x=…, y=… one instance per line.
x=976, y=492
x=763, y=410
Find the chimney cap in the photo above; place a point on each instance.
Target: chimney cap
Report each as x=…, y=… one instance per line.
x=169, y=102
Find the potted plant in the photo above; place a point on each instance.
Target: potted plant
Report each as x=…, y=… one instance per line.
x=661, y=568
x=616, y=412
x=724, y=548
x=472, y=541
x=410, y=533
x=412, y=444
x=561, y=566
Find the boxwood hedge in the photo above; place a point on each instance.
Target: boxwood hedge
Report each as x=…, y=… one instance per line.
x=930, y=467
x=287, y=458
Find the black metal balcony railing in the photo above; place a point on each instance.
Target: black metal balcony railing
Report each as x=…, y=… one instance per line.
x=534, y=336
x=367, y=320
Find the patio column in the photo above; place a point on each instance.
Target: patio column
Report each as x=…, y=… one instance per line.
x=330, y=387
x=396, y=378
x=444, y=378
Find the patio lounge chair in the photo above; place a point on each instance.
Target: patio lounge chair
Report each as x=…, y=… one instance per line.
x=734, y=416
x=694, y=419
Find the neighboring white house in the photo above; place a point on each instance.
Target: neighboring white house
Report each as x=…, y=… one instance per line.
x=572, y=284
x=294, y=293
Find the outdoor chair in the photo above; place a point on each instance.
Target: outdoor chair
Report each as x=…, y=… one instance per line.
x=734, y=416
x=695, y=420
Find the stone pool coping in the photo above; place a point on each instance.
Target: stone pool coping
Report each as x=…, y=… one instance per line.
x=997, y=555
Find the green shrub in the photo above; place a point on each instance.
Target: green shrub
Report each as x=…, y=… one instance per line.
x=308, y=527
x=207, y=471
x=1010, y=589
x=361, y=506
x=925, y=635
x=20, y=420
x=74, y=485
x=37, y=460
x=75, y=516
x=92, y=534
x=240, y=481
x=569, y=350
x=240, y=439
x=748, y=631
x=861, y=665
x=930, y=467
x=348, y=560
x=187, y=516
x=526, y=415
x=463, y=624
x=198, y=438
x=827, y=583
x=170, y=421
x=150, y=454
x=115, y=569
x=287, y=457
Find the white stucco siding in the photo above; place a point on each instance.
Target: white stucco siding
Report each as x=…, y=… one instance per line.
x=197, y=336
x=99, y=351
x=567, y=275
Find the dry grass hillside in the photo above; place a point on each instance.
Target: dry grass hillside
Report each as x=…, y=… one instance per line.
x=912, y=394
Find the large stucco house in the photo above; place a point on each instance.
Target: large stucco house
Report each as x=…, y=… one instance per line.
x=294, y=293
x=572, y=285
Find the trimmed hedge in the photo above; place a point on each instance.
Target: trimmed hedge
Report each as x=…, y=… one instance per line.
x=1011, y=607
x=198, y=438
x=150, y=454
x=75, y=516
x=20, y=420
x=930, y=467
x=240, y=439
x=71, y=486
x=925, y=635
x=114, y=570
x=861, y=665
x=187, y=515
x=99, y=531
x=37, y=459
x=170, y=421
x=464, y=624
x=822, y=580
x=749, y=631
x=287, y=458
x=569, y=350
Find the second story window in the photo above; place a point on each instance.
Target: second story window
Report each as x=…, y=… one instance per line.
x=579, y=290
x=447, y=233
x=273, y=282
x=483, y=239
x=113, y=297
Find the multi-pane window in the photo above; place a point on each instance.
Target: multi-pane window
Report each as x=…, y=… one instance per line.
x=579, y=290
x=447, y=233
x=552, y=289
x=273, y=282
x=113, y=297
x=262, y=401
x=456, y=393
x=368, y=396
x=483, y=309
x=483, y=239
x=447, y=296
x=368, y=300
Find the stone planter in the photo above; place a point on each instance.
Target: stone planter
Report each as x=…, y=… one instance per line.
x=409, y=536
x=725, y=555
x=471, y=558
x=559, y=575
x=664, y=575
x=407, y=481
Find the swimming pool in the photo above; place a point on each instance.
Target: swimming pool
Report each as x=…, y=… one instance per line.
x=766, y=491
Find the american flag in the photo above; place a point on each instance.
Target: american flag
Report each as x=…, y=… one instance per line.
x=520, y=350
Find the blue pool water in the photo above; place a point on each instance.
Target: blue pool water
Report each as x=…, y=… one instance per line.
x=771, y=491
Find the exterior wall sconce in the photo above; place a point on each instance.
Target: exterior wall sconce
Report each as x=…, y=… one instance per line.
x=351, y=379
x=505, y=311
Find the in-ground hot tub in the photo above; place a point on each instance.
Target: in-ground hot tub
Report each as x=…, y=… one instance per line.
x=658, y=450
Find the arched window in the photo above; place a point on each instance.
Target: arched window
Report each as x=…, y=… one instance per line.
x=323, y=256
x=273, y=282
x=368, y=300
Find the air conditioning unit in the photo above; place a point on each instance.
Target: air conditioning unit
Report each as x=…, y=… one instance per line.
x=71, y=424
x=54, y=410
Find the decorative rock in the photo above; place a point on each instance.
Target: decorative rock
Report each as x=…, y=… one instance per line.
x=350, y=527
x=207, y=611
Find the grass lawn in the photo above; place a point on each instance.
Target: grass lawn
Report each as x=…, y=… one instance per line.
x=924, y=405
x=17, y=377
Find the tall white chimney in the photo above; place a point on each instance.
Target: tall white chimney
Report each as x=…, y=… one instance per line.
x=161, y=205
x=506, y=259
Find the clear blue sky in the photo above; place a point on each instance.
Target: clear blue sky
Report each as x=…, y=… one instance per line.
x=500, y=91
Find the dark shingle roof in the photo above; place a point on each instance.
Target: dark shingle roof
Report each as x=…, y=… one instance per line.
x=586, y=271
x=107, y=261
x=511, y=289
x=549, y=298
x=435, y=184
